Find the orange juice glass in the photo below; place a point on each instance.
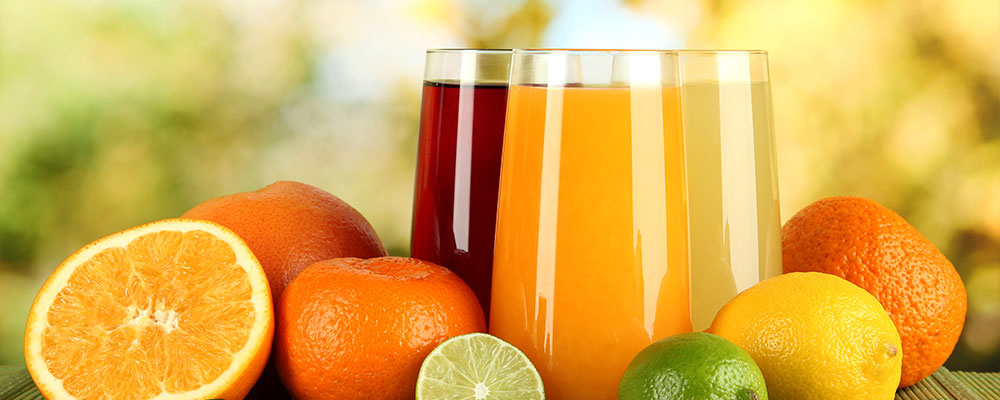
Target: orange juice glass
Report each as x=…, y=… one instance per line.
x=591, y=256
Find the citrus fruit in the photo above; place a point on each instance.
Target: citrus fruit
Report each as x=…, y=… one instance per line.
x=355, y=329
x=478, y=366
x=860, y=240
x=692, y=366
x=814, y=336
x=174, y=309
x=290, y=226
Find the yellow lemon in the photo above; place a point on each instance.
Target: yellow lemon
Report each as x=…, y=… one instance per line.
x=815, y=336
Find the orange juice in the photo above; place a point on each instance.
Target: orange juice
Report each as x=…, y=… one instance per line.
x=591, y=256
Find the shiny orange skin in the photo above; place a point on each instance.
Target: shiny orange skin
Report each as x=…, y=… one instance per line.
x=876, y=249
x=291, y=225
x=359, y=329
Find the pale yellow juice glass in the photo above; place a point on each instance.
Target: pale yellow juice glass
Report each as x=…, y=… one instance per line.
x=732, y=176
x=591, y=255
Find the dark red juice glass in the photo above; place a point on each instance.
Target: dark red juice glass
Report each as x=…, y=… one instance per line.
x=458, y=163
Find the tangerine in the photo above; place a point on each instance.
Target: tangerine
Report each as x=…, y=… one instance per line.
x=876, y=249
x=359, y=329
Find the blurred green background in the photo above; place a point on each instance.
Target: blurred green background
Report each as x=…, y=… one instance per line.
x=118, y=112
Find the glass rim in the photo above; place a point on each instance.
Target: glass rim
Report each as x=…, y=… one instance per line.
x=463, y=50
x=723, y=52
x=543, y=51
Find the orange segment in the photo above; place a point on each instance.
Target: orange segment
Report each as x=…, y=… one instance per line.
x=172, y=309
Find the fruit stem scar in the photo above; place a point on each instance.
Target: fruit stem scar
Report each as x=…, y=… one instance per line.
x=891, y=350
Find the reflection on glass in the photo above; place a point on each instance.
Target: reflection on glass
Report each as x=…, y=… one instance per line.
x=732, y=178
x=591, y=260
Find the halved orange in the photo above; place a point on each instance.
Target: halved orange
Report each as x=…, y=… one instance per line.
x=174, y=309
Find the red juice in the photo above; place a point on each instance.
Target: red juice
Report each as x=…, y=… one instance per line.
x=458, y=176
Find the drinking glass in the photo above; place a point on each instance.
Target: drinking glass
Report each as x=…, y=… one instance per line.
x=731, y=174
x=458, y=162
x=591, y=258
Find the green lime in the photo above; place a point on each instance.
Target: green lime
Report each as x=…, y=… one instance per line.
x=692, y=365
x=478, y=366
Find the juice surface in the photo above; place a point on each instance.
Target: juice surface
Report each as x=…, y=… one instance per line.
x=458, y=175
x=591, y=260
x=732, y=192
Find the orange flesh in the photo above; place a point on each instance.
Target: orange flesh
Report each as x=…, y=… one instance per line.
x=163, y=315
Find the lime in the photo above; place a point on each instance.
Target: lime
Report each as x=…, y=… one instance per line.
x=478, y=366
x=693, y=365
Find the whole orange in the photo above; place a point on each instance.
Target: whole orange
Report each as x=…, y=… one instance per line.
x=359, y=329
x=291, y=225
x=876, y=249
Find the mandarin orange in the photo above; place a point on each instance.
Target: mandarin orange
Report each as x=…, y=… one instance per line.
x=291, y=225
x=359, y=329
x=876, y=249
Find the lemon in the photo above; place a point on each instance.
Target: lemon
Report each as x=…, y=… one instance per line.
x=815, y=336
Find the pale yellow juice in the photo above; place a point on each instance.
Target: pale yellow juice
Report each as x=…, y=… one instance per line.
x=732, y=192
x=591, y=255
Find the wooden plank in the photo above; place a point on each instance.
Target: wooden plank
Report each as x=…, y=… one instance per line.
x=16, y=384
